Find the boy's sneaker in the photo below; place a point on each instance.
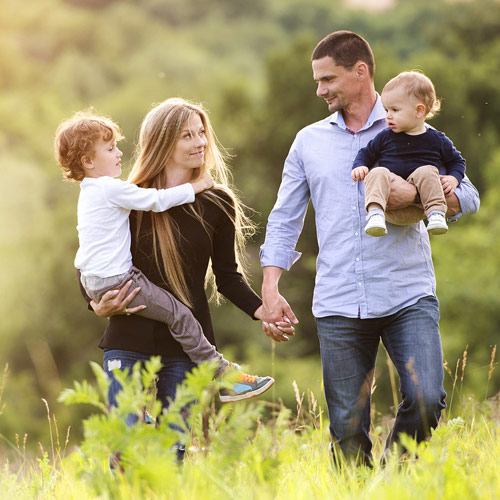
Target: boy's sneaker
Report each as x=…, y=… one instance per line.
x=376, y=225
x=246, y=387
x=436, y=223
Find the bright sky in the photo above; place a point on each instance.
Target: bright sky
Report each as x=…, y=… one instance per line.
x=371, y=4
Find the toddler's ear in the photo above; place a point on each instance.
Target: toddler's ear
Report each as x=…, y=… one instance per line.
x=420, y=110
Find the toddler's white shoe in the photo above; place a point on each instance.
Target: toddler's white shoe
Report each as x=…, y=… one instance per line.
x=436, y=223
x=376, y=225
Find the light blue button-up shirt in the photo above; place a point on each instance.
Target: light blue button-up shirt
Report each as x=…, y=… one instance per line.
x=356, y=275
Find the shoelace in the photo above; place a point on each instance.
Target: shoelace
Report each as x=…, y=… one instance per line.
x=244, y=377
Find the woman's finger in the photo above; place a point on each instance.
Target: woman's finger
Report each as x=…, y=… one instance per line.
x=131, y=296
x=285, y=327
x=273, y=334
x=277, y=333
x=122, y=294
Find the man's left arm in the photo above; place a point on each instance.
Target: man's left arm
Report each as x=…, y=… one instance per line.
x=463, y=201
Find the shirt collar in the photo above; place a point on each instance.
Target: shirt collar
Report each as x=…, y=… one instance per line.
x=377, y=114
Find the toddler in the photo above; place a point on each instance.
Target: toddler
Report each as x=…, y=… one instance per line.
x=409, y=148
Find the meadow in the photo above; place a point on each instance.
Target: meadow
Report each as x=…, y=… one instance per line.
x=250, y=450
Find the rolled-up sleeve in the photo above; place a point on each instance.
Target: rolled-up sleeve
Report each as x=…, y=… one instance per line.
x=468, y=197
x=286, y=219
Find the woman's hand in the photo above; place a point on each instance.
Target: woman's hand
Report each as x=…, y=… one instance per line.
x=115, y=302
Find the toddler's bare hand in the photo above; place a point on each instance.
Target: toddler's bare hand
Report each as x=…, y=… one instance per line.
x=359, y=173
x=449, y=183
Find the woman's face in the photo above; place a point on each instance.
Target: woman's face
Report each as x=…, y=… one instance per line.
x=189, y=151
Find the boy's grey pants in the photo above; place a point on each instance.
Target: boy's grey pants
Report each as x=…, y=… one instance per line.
x=161, y=306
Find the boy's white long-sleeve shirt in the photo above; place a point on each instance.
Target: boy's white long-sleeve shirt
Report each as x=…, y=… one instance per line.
x=103, y=226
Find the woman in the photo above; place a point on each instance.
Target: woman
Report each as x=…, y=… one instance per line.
x=174, y=248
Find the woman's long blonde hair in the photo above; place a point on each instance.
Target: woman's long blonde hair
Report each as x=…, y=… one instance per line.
x=158, y=137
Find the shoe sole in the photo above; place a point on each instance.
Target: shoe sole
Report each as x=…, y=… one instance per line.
x=247, y=395
x=437, y=230
x=376, y=231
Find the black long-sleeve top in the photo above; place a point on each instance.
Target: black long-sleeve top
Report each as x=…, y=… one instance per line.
x=402, y=154
x=197, y=247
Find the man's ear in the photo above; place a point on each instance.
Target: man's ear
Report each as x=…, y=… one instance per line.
x=361, y=70
x=420, y=110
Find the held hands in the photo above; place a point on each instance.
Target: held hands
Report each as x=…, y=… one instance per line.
x=359, y=173
x=203, y=183
x=277, y=317
x=449, y=183
x=115, y=302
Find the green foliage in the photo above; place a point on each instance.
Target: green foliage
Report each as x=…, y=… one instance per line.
x=233, y=451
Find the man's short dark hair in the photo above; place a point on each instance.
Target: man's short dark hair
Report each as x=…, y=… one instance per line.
x=346, y=49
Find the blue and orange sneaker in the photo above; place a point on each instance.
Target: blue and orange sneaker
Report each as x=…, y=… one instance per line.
x=245, y=387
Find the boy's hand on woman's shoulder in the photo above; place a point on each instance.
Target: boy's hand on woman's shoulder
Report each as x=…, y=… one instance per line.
x=203, y=183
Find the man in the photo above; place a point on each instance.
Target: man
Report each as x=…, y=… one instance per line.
x=367, y=289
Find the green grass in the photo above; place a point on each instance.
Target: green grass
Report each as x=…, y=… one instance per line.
x=250, y=450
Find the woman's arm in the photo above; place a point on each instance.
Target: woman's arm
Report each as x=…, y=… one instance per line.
x=229, y=280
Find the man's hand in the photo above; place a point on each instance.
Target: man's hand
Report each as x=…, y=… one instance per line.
x=277, y=321
x=359, y=173
x=115, y=302
x=277, y=315
x=402, y=193
x=449, y=183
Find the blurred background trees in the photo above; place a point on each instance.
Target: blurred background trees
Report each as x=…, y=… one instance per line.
x=249, y=64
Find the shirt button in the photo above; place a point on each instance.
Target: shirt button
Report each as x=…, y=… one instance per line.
x=357, y=259
x=359, y=283
x=356, y=233
x=354, y=208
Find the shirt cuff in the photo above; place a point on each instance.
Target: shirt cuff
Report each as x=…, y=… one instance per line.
x=468, y=204
x=284, y=259
x=190, y=193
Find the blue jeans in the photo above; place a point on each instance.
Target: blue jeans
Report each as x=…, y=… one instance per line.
x=172, y=373
x=348, y=354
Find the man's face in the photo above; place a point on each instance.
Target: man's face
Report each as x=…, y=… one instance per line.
x=336, y=84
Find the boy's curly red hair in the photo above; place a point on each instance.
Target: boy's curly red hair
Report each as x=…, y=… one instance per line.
x=77, y=137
